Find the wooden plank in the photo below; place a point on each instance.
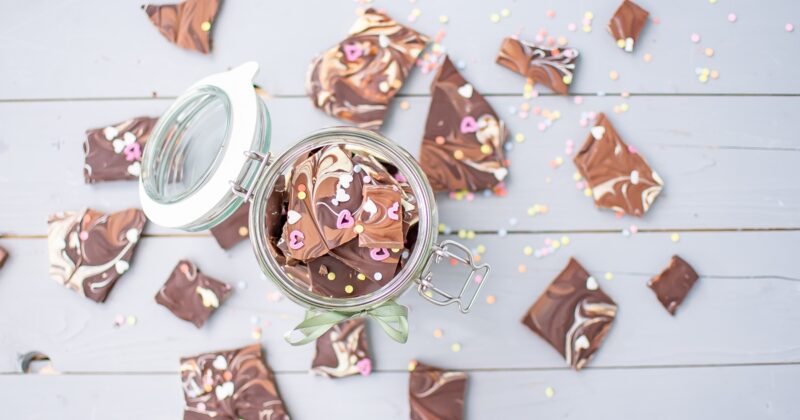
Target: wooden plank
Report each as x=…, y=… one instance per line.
x=717, y=175
x=730, y=317
x=67, y=50
x=698, y=393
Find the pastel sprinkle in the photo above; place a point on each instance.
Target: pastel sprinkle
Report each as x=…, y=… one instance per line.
x=444, y=19
x=613, y=75
x=549, y=392
x=505, y=13
x=695, y=38
x=647, y=57
x=528, y=251
x=675, y=237
x=131, y=320
x=455, y=347
x=348, y=289
x=491, y=299
x=731, y=17
x=608, y=276
x=331, y=276
x=256, y=333
x=565, y=240
x=301, y=195
x=789, y=27
x=437, y=333
x=494, y=17
x=521, y=268
x=709, y=52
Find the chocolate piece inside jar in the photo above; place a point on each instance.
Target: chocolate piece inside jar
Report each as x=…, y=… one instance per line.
x=341, y=220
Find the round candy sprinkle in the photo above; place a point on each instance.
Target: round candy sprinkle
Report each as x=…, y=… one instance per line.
x=455, y=347
x=361, y=276
x=505, y=13
x=709, y=52
x=613, y=75
x=378, y=276
x=572, y=27
x=731, y=17
x=494, y=17
x=359, y=228
x=695, y=38
x=609, y=276
x=486, y=149
x=549, y=392
x=527, y=251
x=521, y=268
x=131, y=320
x=205, y=26
x=243, y=231
x=551, y=13
x=348, y=289
x=519, y=137
x=437, y=333
x=443, y=19
x=404, y=105
x=647, y=58
x=331, y=276
x=565, y=240
x=256, y=333
x=789, y=27
x=301, y=195
x=241, y=285
x=675, y=237
x=491, y=299
x=712, y=1
x=439, y=140
x=458, y=154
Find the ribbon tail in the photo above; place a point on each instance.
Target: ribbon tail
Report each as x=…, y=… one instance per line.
x=314, y=325
x=391, y=313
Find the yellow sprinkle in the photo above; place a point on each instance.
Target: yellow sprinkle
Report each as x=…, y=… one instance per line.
x=348, y=289
x=395, y=249
x=429, y=294
x=703, y=78
x=609, y=276
x=528, y=251
x=205, y=26
x=131, y=320
x=359, y=228
x=587, y=28
x=675, y=237
x=481, y=249
x=486, y=149
x=613, y=75
x=458, y=154
x=470, y=234
x=442, y=227
x=522, y=268
x=559, y=160
x=301, y=195
x=416, y=12
x=549, y=392
x=505, y=13
x=709, y=52
x=648, y=57
x=491, y=299
x=555, y=244
x=712, y=1
x=562, y=41
x=455, y=347
x=412, y=365
x=577, y=176
x=437, y=333
x=621, y=43
x=565, y=240
x=625, y=107
x=519, y=137
x=444, y=19
x=256, y=333
x=331, y=276
x=494, y=18
x=361, y=276
x=567, y=79
x=587, y=192
x=588, y=15
x=462, y=233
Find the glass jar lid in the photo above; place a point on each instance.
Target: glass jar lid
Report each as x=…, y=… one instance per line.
x=201, y=151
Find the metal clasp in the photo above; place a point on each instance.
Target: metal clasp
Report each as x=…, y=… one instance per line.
x=263, y=162
x=429, y=291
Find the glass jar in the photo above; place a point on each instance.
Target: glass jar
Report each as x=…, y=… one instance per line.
x=209, y=153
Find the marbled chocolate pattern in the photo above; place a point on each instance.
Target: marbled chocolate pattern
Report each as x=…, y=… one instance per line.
x=380, y=229
x=358, y=258
x=184, y=24
x=90, y=250
x=553, y=68
x=619, y=177
x=343, y=350
x=356, y=79
x=115, y=152
x=435, y=394
x=3, y=256
x=466, y=160
x=344, y=276
x=627, y=23
x=192, y=295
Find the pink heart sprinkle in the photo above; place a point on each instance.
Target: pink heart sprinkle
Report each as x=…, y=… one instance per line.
x=469, y=125
x=296, y=239
x=345, y=220
x=364, y=366
x=353, y=52
x=133, y=152
x=379, y=254
x=392, y=212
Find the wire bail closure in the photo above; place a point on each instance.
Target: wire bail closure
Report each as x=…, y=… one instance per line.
x=433, y=294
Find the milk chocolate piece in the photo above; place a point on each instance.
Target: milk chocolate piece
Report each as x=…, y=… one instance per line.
x=191, y=295
x=234, y=229
x=573, y=315
x=115, y=152
x=187, y=24
x=381, y=218
x=435, y=394
x=90, y=250
x=462, y=148
x=553, y=68
x=356, y=79
x=619, y=177
x=674, y=283
x=333, y=278
x=300, y=231
x=3, y=256
x=377, y=264
x=627, y=23
x=343, y=351
x=232, y=384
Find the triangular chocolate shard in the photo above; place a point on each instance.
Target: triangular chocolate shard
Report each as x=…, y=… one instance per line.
x=187, y=24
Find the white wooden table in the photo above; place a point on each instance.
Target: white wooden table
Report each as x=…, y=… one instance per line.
x=728, y=151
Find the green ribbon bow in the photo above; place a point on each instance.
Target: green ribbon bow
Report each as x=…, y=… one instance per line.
x=393, y=318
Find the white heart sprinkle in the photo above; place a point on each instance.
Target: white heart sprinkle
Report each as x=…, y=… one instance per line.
x=220, y=363
x=119, y=145
x=582, y=343
x=370, y=207
x=128, y=138
x=132, y=235
x=345, y=180
x=634, y=177
x=591, y=283
x=466, y=90
x=135, y=168
x=342, y=196
x=383, y=41
x=292, y=217
x=598, y=132
x=121, y=266
x=500, y=173
x=224, y=391
x=110, y=133
x=209, y=298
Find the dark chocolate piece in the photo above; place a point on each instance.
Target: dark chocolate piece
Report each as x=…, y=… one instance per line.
x=381, y=222
x=462, y=148
x=233, y=384
x=115, y=152
x=343, y=351
x=90, y=250
x=435, y=394
x=356, y=79
x=627, y=23
x=187, y=24
x=378, y=264
x=3, y=256
x=234, y=229
x=333, y=278
x=618, y=175
x=552, y=67
x=191, y=295
x=674, y=283
x=573, y=315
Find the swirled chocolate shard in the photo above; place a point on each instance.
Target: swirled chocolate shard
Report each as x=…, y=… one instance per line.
x=3, y=256
x=552, y=67
x=89, y=250
x=114, y=152
x=191, y=295
x=332, y=278
x=186, y=24
x=619, y=177
x=343, y=351
x=356, y=79
x=674, y=283
x=230, y=385
x=627, y=23
x=234, y=229
x=462, y=148
x=436, y=394
x=573, y=315
x=381, y=222
x=377, y=264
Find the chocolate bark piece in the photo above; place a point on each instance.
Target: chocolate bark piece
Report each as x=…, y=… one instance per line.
x=356, y=79
x=187, y=24
x=3, y=256
x=90, y=250
x=234, y=229
x=434, y=393
x=462, y=148
x=674, y=283
x=619, y=177
x=300, y=231
x=191, y=295
x=552, y=67
x=573, y=315
x=377, y=264
x=115, y=152
x=343, y=351
x=230, y=384
x=627, y=23
x=332, y=278
x=381, y=221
